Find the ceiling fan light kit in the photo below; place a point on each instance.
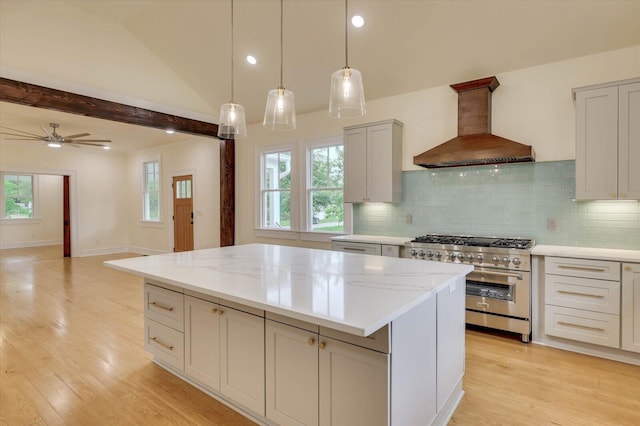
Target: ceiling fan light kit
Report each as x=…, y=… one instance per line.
x=55, y=140
x=232, y=123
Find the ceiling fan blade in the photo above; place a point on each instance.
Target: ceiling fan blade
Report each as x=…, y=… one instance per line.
x=35, y=138
x=74, y=144
x=22, y=139
x=21, y=131
x=79, y=135
x=92, y=140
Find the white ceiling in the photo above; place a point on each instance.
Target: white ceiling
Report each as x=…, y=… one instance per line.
x=176, y=53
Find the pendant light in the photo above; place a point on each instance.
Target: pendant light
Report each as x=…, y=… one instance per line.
x=347, y=94
x=280, y=113
x=232, y=123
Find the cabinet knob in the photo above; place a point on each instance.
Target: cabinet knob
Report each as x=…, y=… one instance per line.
x=220, y=312
x=321, y=345
x=613, y=195
x=627, y=268
x=214, y=310
x=311, y=341
x=623, y=195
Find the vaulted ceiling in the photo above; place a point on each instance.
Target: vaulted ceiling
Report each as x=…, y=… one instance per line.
x=175, y=54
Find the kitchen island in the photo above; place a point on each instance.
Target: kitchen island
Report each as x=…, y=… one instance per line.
x=289, y=335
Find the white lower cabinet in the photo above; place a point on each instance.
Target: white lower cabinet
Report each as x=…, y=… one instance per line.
x=202, y=341
x=631, y=307
x=242, y=358
x=354, y=385
x=291, y=375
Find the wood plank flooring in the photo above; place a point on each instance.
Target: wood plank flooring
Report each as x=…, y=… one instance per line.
x=71, y=352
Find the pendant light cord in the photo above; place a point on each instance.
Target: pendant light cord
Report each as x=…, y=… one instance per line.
x=232, y=51
x=281, y=40
x=346, y=40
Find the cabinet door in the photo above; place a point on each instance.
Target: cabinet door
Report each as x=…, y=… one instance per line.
x=631, y=307
x=597, y=144
x=379, y=163
x=355, y=165
x=292, y=375
x=629, y=141
x=354, y=385
x=242, y=358
x=202, y=341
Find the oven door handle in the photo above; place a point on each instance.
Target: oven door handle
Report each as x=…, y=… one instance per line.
x=498, y=274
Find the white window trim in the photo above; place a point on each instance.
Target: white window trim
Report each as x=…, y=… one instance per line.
x=35, y=195
x=143, y=188
x=299, y=185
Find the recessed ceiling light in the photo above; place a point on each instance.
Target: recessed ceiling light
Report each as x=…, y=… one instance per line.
x=252, y=60
x=357, y=21
x=170, y=131
x=106, y=148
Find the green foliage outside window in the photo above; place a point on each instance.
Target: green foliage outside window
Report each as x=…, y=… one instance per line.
x=18, y=196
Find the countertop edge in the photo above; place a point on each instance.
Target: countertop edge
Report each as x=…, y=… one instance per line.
x=587, y=252
x=362, y=331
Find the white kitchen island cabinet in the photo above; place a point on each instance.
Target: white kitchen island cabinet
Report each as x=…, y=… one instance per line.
x=631, y=307
x=312, y=337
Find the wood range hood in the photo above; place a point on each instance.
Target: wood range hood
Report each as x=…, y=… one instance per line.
x=475, y=144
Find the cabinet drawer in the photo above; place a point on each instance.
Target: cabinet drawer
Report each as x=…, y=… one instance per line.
x=583, y=293
x=164, y=306
x=362, y=248
x=585, y=268
x=378, y=341
x=165, y=343
x=390, y=250
x=584, y=326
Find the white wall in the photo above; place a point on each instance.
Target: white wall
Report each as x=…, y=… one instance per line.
x=197, y=156
x=47, y=229
x=98, y=191
x=532, y=106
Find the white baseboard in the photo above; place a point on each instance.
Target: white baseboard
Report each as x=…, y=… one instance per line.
x=114, y=250
x=39, y=243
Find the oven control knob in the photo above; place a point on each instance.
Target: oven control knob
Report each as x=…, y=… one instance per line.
x=470, y=257
x=480, y=258
x=516, y=261
x=451, y=256
x=414, y=252
x=421, y=253
x=429, y=254
x=460, y=257
x=438, y=255
x=495, y=259
x=506, y=260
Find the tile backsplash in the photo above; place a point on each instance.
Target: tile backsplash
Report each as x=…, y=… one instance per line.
x=534, y=200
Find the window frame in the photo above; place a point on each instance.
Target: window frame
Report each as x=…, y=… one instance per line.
x=143, y=192
x=35, y=199
x=300, y=182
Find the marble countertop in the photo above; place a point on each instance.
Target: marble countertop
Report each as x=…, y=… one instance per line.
x=344, y=291
x=374, y=239
x=587, y=253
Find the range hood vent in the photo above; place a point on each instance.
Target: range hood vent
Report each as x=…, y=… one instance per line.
x=475, y=144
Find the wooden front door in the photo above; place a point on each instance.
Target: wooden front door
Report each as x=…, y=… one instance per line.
x=182, y=213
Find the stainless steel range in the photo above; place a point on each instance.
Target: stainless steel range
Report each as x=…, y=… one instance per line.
x=499, y=288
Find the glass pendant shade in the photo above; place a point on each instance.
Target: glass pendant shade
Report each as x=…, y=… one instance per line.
x=232, y=122
x=280, y=113
x=347, y=94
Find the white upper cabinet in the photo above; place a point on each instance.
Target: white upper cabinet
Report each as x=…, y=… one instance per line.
x=373, y=162
x=608, y=141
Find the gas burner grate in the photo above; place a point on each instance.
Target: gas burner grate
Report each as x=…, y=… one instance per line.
x=469, y=241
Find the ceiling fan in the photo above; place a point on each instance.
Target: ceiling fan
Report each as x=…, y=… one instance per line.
x=55, y=140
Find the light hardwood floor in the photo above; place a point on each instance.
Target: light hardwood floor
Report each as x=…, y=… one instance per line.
x=71, y=352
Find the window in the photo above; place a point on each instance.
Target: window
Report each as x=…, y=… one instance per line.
x=300, y=191
x=151, y=190
x=18, y=196
x=275, y=190
x=325, y=205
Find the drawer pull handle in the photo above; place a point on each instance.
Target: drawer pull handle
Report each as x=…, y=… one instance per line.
x=354, y=249
x=158, y=305
x=599, y=296
x=155, y=339
x=627, y=268
x=586, y=327
x=580, y=268
x=483, y=304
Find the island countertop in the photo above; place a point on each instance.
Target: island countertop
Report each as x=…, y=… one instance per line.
x=354, y=293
